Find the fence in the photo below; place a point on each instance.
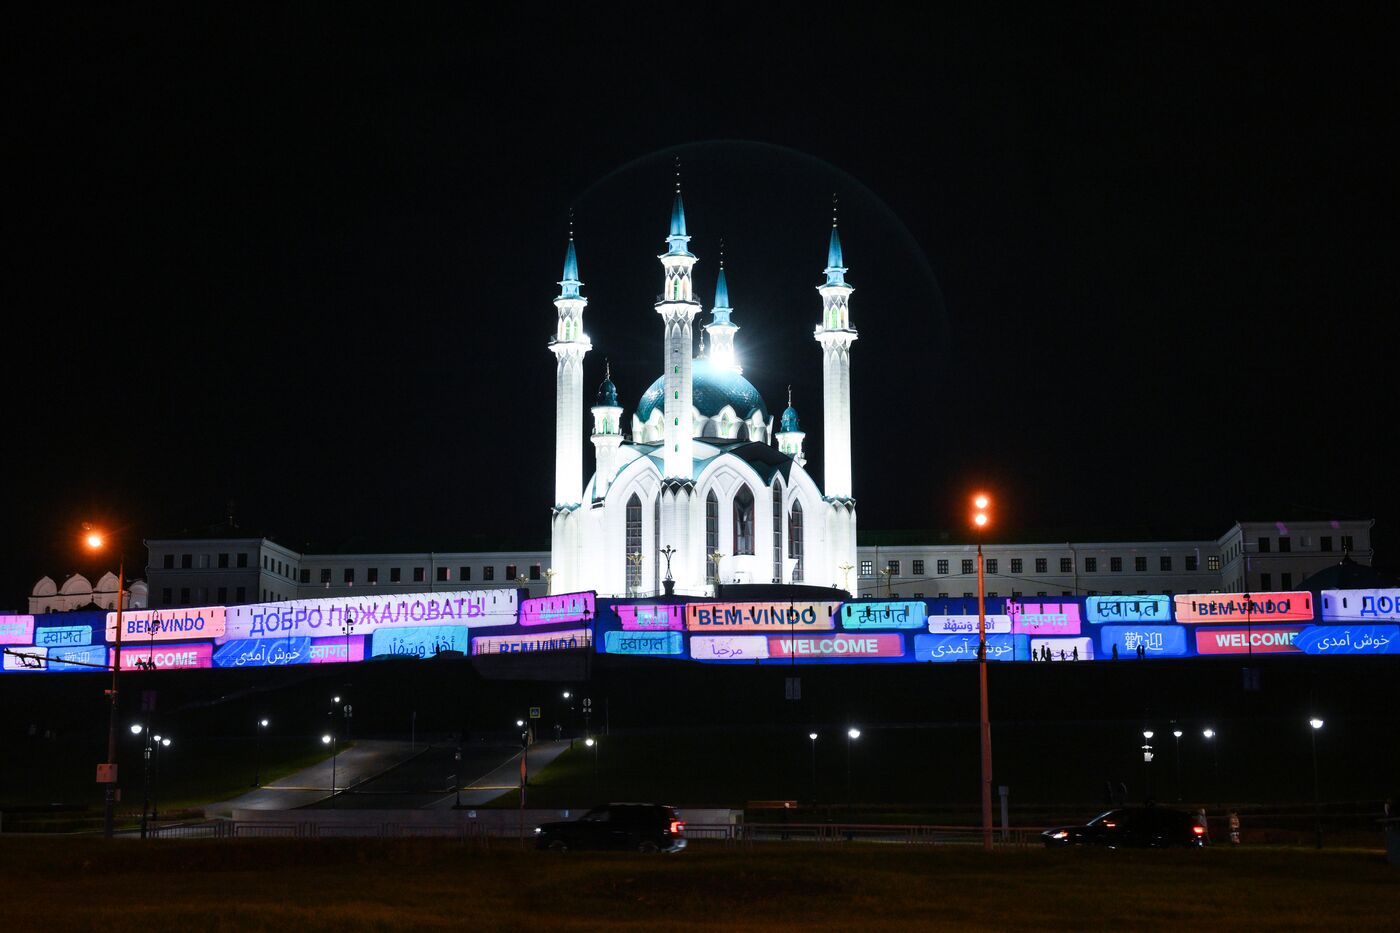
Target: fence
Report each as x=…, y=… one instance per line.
x=310, y=829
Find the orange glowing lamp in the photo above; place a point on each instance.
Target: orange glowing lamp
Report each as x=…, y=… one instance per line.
x=983, y=504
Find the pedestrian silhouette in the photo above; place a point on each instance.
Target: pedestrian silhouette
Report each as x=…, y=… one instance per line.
x=1076, y=652
x=1115, y=651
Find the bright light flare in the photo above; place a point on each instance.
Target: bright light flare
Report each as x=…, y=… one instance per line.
x=325, y=740
x=1315, y=723
x=982, y=502
x=94, y=540
x=589, y=742
x=854, y=733
x=135, y=728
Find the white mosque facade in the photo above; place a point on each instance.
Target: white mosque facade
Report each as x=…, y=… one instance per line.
x=707, y=488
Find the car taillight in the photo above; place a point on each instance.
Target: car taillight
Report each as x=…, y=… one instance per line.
x=677, y=827
x=1198, y=829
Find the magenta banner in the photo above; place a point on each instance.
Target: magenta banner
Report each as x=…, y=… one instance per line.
x=1043, y=618
x=333, y=650
x=16, y=630
x=647, y=618
x=1258, y=639
x=549, y=610
x=168, y=657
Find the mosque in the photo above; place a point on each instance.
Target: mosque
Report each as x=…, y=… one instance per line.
x=705, y=490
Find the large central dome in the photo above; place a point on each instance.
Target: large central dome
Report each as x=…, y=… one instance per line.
x=713, y=389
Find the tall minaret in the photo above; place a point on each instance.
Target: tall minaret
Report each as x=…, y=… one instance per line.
x=720, y=328
x=607, y=434
x=569, y=345
x=678, y=308
x=835, y=334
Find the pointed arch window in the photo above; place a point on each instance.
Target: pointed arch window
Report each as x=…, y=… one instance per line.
x=743, y=521
x=634, y=544
x=777, y=531
x=656, y=544
x=795, y=540
x=711, y=535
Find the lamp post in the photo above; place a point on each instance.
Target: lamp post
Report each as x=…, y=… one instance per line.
x=457, y=776
x=813, y=737
x=668, y=552
x=329, y=739
x=845, y=576
x=1176, y=734
x=1209, y=734
x=887, y=573
x=156, y=744
x=851, y=735
x=1147, y=735
x=145, y=775
x=980, y=520
x=634, y=573
x=548, y=581
x=1316, y=724
x=257, y=753
x=96, y=541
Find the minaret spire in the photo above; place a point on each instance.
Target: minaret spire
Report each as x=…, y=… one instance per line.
x=721, y=329
x=835, y=335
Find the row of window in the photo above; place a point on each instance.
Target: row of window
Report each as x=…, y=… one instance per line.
x=187, y=561
x=420, y=574
x=200, y=596
x=1285, y=544
x=1042, y=565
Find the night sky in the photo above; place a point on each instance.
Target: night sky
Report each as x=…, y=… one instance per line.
x=1131, y=267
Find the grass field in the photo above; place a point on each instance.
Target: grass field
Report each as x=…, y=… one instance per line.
x=401, y=885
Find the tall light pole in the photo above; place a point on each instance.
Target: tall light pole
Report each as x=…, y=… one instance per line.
x=329, y=739
x=813, y=737
x=257, y=752
x=96, y=541
x=1316, y=724
x=851, y=735
x=145, y=775
x=1147, y=735
x=980, y=520
x=1176, y=734
x=1209, y=734
x=156, y=744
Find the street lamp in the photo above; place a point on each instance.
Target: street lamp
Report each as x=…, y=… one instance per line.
x=1176, y=734
x=329, y=739
x=154, y=744
x=851, y=735
x=813, y=737
x=1316, y=724
x=980, y=521
x=1147, y=735
x=257, y=752
x=96, y=541
x=1209, y=735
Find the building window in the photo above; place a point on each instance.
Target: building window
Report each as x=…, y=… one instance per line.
x=991, y=565
x=1213, y=563
x=1327, y=542
x=711, y=535
x=464, y=574
x=395, y=574
x=1286, y=581
x=169, y=563
x=1285, y=544
x=511, y=574
x=918, y=568
x=795, y=540
x=867, y=568
x=241, y=594
x=536, y=572
x=1347, y=544
x=442, y=574
x=968, y=566
x=420, y=574
x=1190, y=563
x=1066, y=565
x=1115, y=564
x=1166, y=561
x=222, y=596
x=943, y=569
x=634, y=544
x=306, y=575
x=656, y=544
x=1263, y=545
x=1140, y=564
x=242, y=560
x=186, y=561
x=223, y=561
x=1042, y=565
x=185, y=596
x=488, y=572
x=326, y=577
x=350, y=576
x=893, y=567
x=372, y=575
x=1266, y=581
x=165, y=596
x=743, y=521
x=777, y=533
x=1091, y=564
x=1017, y=565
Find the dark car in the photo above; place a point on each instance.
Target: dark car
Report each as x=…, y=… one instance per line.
x=1132, y=827
x=632, y=827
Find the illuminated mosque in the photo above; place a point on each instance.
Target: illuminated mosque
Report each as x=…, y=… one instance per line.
x=705, y=490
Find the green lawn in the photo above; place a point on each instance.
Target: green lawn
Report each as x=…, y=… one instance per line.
x=392, y=885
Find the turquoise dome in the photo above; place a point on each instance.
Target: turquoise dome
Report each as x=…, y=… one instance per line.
x=607, y=394
x=789, y=425
x=713, y=389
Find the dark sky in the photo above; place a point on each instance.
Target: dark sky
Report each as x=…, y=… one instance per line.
x=1132, y=267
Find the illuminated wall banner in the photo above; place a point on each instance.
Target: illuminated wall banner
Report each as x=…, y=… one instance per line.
x=147, y=625
x=832, y=647
x=1064, y=649
x=880, y=615
x=1266, y=639
x=1129, y=608
x=552, y=610
x=337, y=650
x=1043, y=618
x=760, y=617
x=63, y=636
x=651, y=643
x=1349, y=639
x=77, y=659
x=34, y=659
x=962, y=625
x=1215, y=608
x=321, y=618
x=1157, y=641
x=964, y=647
x=728, y=647
x=647, y=618
x=1360, y=605
x=169, y=657
x=263, y=652
x=16, y=630
x=535, y=641
x=423, y=641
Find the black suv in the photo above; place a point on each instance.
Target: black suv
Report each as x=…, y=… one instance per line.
x=1132, y=827
x=634, y=827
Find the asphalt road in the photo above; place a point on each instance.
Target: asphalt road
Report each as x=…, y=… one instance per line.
x=364, y=760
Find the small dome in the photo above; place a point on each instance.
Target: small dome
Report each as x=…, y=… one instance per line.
x=607, y=394
x=712, y=390
x=789, y=423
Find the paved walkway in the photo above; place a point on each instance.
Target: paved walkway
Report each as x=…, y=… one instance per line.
x=506, y=777
x=364, y=760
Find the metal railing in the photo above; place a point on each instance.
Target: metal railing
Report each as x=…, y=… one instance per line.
x=310, y=829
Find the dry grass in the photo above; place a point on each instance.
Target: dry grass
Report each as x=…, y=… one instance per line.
x=373, y=885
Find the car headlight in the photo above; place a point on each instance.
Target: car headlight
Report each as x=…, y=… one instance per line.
x=538, y=830
x=1060, y=835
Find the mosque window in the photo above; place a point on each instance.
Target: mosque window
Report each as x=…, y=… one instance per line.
x=656, y=544
x=634, y=544
x=795, y=540
x=743, y=521
x=711, y=535
x=777, y=532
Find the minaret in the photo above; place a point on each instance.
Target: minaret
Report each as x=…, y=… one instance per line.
x=790, y=434
x=835, y=334
x=569, y=345
x=607, y=434
x=720, y=328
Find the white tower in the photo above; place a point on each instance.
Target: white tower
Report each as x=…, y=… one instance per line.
x=790, y=433
x=721, y=329
x=607, y=434
x=569, y=345
x=835, y=334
